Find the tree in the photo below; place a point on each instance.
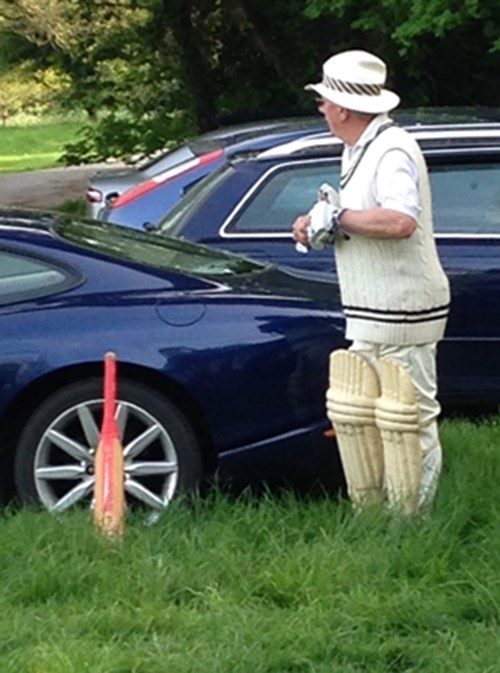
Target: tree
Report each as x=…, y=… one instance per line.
x=440, y=52
x=149, y=72
x=26, y=89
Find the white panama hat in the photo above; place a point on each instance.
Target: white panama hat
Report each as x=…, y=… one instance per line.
x=355, y=80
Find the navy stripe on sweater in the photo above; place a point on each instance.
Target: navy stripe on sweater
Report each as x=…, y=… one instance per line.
x=393, y=316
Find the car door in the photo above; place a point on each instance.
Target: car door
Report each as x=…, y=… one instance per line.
x=260, y=225
x=466, y=199
x=256, y=216
x=466, y=193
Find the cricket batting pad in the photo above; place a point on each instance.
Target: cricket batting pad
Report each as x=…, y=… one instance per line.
x=397, y=416
x=350, y=403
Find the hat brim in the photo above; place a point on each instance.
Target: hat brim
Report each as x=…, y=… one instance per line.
x=384, y=102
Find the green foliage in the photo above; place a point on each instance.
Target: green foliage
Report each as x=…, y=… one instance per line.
x=74, y=207
x=15, y=49
x=25, y=89
x=440, y=52
x=123, y=136
x=174, y=68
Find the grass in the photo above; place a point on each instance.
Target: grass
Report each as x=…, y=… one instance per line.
x=76, y=207
x=279, y=585
x=25, y=148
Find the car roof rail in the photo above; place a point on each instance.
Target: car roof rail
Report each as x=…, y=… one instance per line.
x=439, y=135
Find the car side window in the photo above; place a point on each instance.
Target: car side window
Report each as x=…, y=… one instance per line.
x=284, y=194
x=466, y=198
x=23, y=278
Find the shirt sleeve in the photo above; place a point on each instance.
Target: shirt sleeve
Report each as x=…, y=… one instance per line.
x=396, y=183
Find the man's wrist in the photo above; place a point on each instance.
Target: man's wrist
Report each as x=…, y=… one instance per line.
x=337, y=216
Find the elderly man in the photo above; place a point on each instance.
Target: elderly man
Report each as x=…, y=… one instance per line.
x=395, y=295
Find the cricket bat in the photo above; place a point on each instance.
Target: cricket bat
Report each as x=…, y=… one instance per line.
x=109, y=495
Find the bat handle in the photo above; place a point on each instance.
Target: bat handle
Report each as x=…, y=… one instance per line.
x=109, y=393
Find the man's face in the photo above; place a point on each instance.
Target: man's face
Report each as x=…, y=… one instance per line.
x=333, y=114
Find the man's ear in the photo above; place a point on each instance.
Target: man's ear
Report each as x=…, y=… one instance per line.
x=344, y=114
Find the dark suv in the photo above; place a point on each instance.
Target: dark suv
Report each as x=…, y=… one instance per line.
x=249, y=205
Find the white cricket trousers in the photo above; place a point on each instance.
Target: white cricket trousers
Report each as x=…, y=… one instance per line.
x=420, y=363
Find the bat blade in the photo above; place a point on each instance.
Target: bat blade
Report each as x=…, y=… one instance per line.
x=109, y=495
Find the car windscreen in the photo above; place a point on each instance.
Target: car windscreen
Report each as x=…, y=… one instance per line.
x=153, y=250
x=161, y=163
x=213, y=140
x=193, y=199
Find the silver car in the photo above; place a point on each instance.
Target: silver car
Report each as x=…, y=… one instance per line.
x=106, y=185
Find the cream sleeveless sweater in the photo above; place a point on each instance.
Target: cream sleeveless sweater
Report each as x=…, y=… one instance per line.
x=394, y=291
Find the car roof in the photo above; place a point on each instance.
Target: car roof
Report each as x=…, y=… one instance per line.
x=222, y=137
x=228, y=135
x=430, y=136
x=180, y=175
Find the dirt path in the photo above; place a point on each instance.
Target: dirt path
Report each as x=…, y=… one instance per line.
x=46, y=189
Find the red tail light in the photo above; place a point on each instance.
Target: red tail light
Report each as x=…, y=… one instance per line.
x=94, y=196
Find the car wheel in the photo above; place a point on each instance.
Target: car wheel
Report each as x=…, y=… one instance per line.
x=54, y=463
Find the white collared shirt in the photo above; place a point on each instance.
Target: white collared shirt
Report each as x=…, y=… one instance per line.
x=396, y=178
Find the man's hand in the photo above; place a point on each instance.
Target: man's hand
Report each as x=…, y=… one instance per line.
x=301, y=232
x=316, y=229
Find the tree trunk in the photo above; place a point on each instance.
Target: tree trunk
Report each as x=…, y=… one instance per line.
x=257, y=32
x=196, y=71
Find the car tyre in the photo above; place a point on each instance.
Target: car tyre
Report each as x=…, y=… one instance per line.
x=54, y=461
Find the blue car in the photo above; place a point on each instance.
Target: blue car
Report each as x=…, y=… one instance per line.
x=248, y=207
x=222, y=363
x=147, y=202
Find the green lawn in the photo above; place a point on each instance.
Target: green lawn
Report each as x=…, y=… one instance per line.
x=34, y=147
x=274, y=586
